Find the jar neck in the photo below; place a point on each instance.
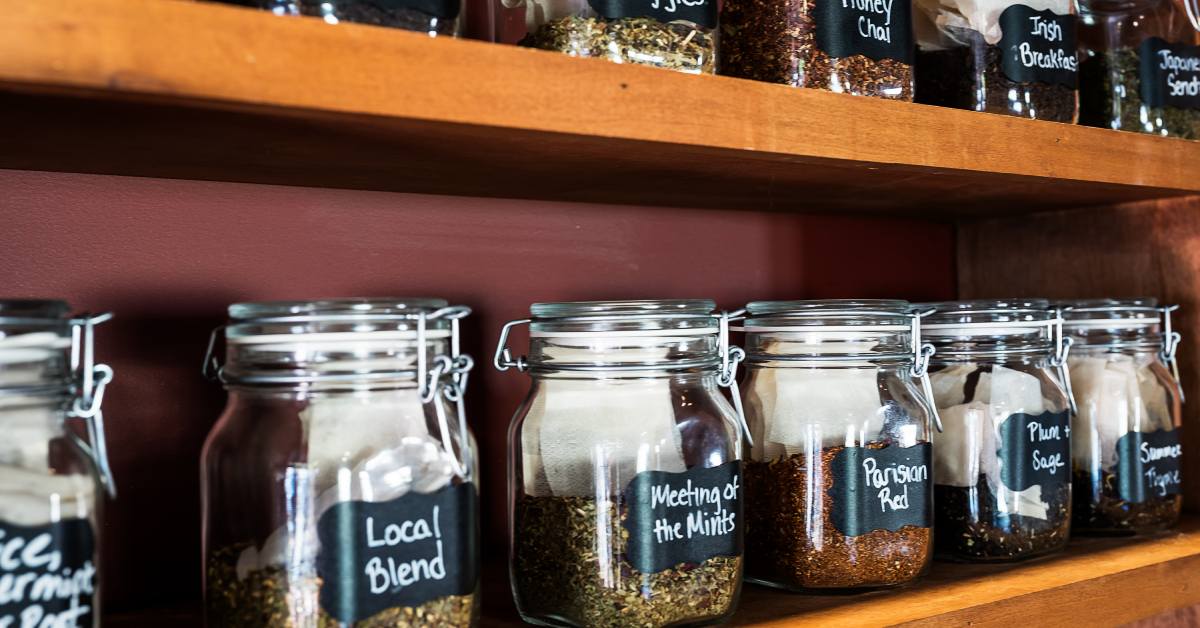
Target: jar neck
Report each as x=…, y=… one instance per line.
x=632, y=354
x=830, y=346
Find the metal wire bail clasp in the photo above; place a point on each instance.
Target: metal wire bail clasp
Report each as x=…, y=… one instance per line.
x=1062, y=348
x=448, y=376
x=90, y=380
x=922, y=353
x=1171, y=339
x=731, y=356
x=503, y=359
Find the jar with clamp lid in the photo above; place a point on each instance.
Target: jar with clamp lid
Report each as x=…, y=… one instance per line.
x=1002, y=465
x=338, y=485
x=625, y=474
x=839, y=482
x=1125, y=444
x=49, y=475
x=431, y=17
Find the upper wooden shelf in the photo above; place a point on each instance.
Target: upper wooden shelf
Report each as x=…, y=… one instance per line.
x=178, y=89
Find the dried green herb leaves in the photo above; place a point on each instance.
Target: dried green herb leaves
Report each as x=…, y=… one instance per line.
x=1110, y=98
x=1099, y=508
x=679, y=46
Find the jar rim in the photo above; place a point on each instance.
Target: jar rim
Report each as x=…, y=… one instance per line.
x=1137, y=312
x=562, y=311
x=320, y=309
x=806, y=313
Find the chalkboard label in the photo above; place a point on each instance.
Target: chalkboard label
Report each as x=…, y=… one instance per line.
x=47, y=575
x=442, y=9
x=399, y=553
x=1035, y=451
x=1169, y=75
x=881, y=489
x=878, y=29
x=687, y=517
x=1148, y=465
x=703, y=13
x=1038, y=47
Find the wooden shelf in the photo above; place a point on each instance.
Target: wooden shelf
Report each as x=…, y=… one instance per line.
x=177, y=89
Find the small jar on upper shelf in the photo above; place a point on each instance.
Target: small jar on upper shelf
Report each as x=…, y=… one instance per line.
x=1003, y=56
x=432, y=17
x=1140, y=66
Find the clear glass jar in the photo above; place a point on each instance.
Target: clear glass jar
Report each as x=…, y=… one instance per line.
x=1006, y=57
x=1125, y=440
x=338, y=485
x=49, y=476
x=432, y=17
x=625, y=474
x=839, y=482
x=1002, y=468
x=678, y=35
x=1140, y=67
x=846, y=46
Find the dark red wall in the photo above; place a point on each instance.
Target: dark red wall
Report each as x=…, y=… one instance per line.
x=167, y=256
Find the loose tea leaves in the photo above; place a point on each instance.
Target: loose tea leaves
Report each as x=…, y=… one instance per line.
x=680, y=46
x=1110, y=98
x=563, y=571
x=970, y=526
x=437, y=17
x=1099, y=507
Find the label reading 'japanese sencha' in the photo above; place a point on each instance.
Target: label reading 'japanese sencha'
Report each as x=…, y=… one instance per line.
x=878, y=29
x=399, y=553
x=442, y=9
x=881, y=489
x=1035, y=451
x=1038, y=46
x=47, y=574
x=700, y=12
x=686, y=517
x=1148, y=465
x=1169, y=75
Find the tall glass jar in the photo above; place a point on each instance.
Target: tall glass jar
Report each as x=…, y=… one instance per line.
x=625, y=471
x=1126, y=438
x=432, y=17
x=678, y=35
x=49, y=476
x=1011, y=57
x=1140, y=66
x=1002, y=465
x=338, y=485
x=839, y=484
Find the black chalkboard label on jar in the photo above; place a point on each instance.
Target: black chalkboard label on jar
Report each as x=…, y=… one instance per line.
x=1035, y=451
x=1148, y=465
x=1038, y=46
x=1169, y=75
x=399, y=553
x=877, y=29
x=55, y=564
x=686, y=517
x=702, y=13
x=884, y=488
x=441, y=9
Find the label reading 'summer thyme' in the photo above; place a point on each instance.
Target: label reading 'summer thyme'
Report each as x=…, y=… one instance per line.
x=399, y=553
x=878, y=29
x=881, y=488
x=1035, y=451
x=700, y=12
x=686, y=517
x=1038, y=46
x=47, y=577
x=1148, y=465
x=1169, y=75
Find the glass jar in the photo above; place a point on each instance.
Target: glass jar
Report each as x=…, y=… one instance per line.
x=1125, y=440
x=860, y=47
x=625, y=474
x=839, y=487
x=432, y=17
x=1012, y=58
x=338, y=485
x=676, y=35
x=1002, y=470
x=1140, y=68
x=49, y=476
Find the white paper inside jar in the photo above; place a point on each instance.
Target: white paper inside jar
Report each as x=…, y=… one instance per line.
x=950, y=17
x=1115, y=396
x=31, y=498
x=825, y=406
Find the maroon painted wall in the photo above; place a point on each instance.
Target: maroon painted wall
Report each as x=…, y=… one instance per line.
x=167, y=256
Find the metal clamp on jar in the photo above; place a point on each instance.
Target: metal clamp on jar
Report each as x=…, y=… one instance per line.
x=1002, y=466
x=1126, y=437
x=625, y=472
x=338, y=484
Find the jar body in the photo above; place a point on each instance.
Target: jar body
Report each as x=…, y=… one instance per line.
x=989, y=59
x=1125, y=443
x=672, y=35
x=606, y=529
x=1136, y=72
x=1002, y=463
x=848, y=48
x=439, y=18
x=338, y=508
